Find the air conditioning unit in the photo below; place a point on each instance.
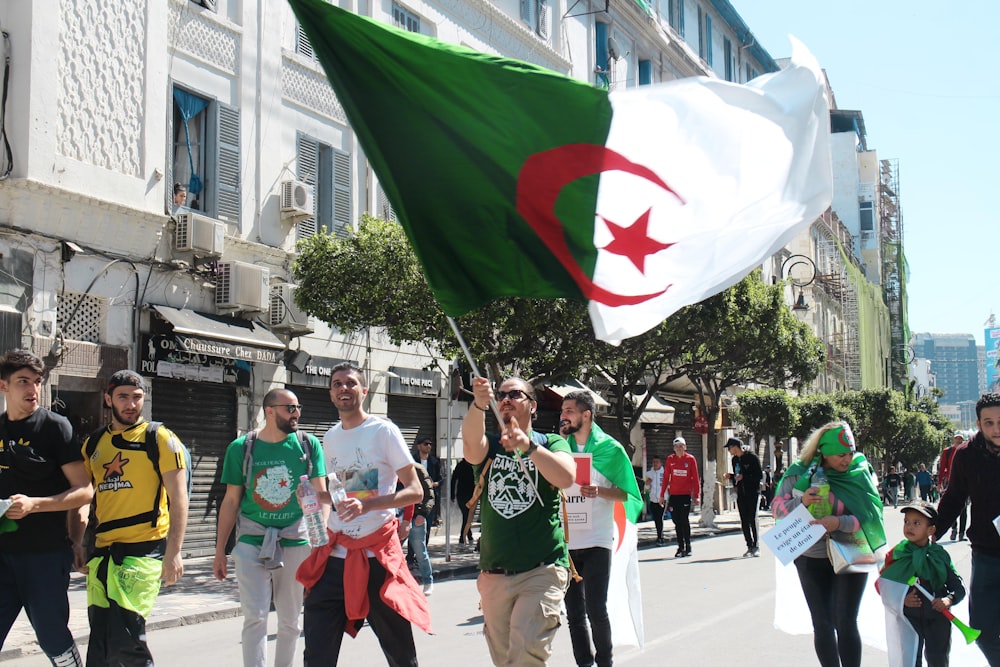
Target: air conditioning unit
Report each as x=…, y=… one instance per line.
x=285, y=316
x=242, y=286
x=297, y=200
x=199, y=234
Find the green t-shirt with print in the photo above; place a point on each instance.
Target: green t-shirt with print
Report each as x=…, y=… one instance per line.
x=518, y=532
x=270, y=498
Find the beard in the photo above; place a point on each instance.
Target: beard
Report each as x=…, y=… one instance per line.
x=121, y=420
x=569, y=428
x=286, y=425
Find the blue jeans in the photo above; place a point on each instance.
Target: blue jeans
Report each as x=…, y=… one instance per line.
x=418, y=543
x=588, y=599
x=38, y=583
x=258, y=586
x=984, y=604
x=834, y=601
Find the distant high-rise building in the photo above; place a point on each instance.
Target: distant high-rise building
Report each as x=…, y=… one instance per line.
x=955, y=363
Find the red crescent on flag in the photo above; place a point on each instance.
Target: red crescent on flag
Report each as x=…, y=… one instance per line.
x=542, y=178
x=620, y=520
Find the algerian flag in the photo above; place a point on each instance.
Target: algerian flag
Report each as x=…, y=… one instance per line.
x=513, y=180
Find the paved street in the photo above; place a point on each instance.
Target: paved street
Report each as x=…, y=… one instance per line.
x=702, y=610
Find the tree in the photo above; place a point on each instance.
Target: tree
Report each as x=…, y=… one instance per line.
x=816, y=410
x=766, y=412
x=744, y=335
x=372, y=279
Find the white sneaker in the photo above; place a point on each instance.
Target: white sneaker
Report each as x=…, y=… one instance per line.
x=748, y=554
x=428, y=589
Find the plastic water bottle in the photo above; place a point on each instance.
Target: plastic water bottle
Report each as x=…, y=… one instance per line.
x=337, y=492
x=312, y=513
x=823, y=507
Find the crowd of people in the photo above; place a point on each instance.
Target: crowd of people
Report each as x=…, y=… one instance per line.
x=115, y=509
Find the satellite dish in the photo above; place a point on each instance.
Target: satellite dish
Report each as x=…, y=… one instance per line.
x=613, y=50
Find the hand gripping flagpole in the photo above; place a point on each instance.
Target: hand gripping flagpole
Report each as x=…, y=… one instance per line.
x=970, y=634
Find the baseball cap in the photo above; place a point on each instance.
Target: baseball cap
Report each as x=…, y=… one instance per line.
x=125, y=377
x=734, y=442
x=679, y=440
x=923, y=508
x=958, y=434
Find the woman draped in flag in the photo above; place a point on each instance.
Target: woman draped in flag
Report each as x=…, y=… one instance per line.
x=836, y=483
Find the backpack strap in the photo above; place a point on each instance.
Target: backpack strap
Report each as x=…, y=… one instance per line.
x=248, y=442
x=306, y=452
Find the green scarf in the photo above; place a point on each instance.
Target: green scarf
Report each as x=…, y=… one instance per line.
x=611, y=460
x=930, y=563
x=853, y=487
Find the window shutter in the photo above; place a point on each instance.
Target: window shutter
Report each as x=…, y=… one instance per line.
x=307, y=170
x=302, y=44
x=227, y=163
x=341, y=194
x=708, y=38
x=645, y=72
x=542, y=28
x=526, y=11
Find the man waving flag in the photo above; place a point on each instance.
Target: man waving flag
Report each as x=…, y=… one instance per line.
x=513, y=180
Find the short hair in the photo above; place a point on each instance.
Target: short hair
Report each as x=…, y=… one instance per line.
x=990, y=400
x=584, y=400
x=16, y=360
x=269, y=397
x=350, y=368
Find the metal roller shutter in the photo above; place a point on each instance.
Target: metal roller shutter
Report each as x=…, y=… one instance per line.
x=318, y=412
x=414, y=416
x=203, y=416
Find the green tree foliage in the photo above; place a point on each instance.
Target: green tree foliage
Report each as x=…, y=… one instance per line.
x=373, y=279
x=742, y=336
x=815, y=410
x=766, y=412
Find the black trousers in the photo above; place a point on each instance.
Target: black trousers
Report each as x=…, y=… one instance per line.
x=748, y=505
x=588, y=600
x=834, y=601
x=935, y=636
x=656, y=509
x=680, y=511
x=325, y=617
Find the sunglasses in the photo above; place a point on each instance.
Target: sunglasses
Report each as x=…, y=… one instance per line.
x=292, y=408
x=513, y=394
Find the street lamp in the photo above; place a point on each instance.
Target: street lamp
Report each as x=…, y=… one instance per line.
x=800, y=278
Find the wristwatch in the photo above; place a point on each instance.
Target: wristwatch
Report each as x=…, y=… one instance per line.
x=531, y=449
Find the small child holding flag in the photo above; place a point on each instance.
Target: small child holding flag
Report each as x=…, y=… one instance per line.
x=916, y=559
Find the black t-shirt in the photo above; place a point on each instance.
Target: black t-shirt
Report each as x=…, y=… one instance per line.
x=32, y=453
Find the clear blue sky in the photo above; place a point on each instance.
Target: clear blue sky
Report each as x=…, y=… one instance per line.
x=924, y=74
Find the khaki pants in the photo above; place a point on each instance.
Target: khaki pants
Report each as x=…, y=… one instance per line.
x=521, y=614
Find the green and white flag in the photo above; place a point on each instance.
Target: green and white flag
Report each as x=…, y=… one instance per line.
x=513, y=180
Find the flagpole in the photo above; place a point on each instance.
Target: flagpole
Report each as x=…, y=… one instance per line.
x=472, y=364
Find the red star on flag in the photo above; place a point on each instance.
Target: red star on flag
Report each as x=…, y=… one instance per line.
x=283, y=483
x=634, y=242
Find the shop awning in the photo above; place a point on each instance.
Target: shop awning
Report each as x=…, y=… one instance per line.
x=657, y=411
x=219, y=327
x=575, y=385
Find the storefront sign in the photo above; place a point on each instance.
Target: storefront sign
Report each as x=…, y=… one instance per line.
x=317, y=372
x=414, y=382
x=164, y=356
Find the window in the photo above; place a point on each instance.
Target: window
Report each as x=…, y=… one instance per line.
x=867, y=216
x=404, y=18
x=207, y=4
x=328, y=170
x=747, y=76
x=601, y=64
x=701, y=34
x=671, y=14
x=680, y=17
x=645, y=72
x=535, y=13
x=205, y=154
x=302, y=44
x=727, y=52
x=708, y=39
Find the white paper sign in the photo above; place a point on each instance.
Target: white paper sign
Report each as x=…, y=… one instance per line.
x=580, y=510
x=793, y=535
x=5, y=505
x=996, y=523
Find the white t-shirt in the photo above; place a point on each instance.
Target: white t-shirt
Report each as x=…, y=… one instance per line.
x=656, y=486
x=365, y=459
